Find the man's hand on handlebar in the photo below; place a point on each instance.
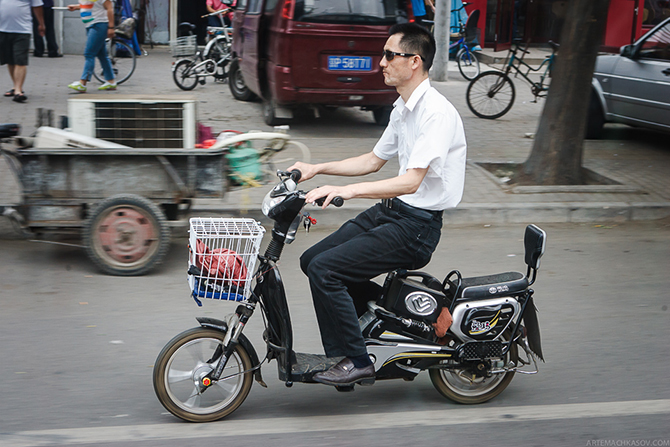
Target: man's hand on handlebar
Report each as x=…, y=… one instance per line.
x=334, y=194
x=307, y=170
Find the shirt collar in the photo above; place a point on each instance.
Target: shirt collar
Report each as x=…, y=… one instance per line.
x=414, y=98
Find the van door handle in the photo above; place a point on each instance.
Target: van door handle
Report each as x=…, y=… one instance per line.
x=666, y=72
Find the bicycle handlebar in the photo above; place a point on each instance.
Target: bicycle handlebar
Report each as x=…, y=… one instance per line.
x=216, y=13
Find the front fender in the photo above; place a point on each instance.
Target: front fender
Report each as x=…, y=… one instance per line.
x=221, y=326
x=599, y=94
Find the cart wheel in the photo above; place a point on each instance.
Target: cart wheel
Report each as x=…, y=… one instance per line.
x=126, y=235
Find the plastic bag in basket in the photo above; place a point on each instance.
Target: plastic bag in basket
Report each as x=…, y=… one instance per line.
x=222, y=264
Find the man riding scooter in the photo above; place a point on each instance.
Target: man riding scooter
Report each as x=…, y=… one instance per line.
x=402, y=231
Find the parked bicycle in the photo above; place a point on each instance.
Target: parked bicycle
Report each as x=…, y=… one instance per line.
x=491, y=94
x=213, y=60
x=466, y=59
x=121, y=54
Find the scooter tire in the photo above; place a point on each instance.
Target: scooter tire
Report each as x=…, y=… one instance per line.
x=456, y=388
x=186, y=358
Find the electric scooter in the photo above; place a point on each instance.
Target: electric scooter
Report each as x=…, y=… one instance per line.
x=205, y=373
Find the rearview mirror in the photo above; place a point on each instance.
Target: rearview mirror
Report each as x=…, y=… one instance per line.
x=627, y=51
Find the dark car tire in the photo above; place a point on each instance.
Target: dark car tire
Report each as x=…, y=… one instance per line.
x=238, y=88
x=382, y=115
x=595, y=119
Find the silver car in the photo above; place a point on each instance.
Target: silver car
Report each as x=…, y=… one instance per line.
x=633, y=87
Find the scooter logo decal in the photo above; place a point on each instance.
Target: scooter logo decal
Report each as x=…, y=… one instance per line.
x=420, y=303
x=480, y=327
x=498, y=289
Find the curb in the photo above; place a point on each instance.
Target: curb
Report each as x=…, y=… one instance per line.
x=488, y=213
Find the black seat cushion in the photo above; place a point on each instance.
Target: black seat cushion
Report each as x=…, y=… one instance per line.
x=491, y=286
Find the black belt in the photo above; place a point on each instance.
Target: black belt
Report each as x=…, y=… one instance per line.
x=398, y=205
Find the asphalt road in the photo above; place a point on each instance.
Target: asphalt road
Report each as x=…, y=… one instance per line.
x=77, y=350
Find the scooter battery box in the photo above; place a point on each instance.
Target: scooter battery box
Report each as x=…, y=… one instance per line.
x=413, y=299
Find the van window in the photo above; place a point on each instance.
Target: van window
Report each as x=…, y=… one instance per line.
x=254, y=7
x=270, y=5
x=369, y=12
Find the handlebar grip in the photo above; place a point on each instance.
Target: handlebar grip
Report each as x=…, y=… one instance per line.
x=296, y=175
x=337, y=201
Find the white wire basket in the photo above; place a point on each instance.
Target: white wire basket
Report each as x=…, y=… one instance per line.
x=222, y=257
x=183, y=46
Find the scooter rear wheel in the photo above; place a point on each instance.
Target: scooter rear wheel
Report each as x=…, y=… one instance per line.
x=181, y=368
x=459, y=385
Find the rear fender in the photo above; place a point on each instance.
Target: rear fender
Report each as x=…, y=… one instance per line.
x=221, y=326
x=533, y=328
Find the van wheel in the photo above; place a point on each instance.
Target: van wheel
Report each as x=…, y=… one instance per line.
x=238, y=88
x=382, y=115
x=270, y=112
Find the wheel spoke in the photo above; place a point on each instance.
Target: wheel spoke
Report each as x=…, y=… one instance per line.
x=179, y=376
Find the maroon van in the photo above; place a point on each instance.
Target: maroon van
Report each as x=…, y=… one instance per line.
x=313, y=53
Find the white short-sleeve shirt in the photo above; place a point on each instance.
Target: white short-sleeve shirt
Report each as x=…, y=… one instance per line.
x=15, y=16
x=427, y=132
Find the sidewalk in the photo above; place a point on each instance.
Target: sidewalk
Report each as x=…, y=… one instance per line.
x=639, y=161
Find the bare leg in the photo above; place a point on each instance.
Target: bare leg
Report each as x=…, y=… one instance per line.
x=18, y=75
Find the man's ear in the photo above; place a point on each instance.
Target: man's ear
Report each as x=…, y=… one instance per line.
x=417, y=63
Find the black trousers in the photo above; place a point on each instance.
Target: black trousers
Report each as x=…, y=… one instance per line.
x=50, y=34
x=341, y=266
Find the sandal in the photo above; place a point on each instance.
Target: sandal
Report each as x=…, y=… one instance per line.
x=9, y=93
x=20, y=97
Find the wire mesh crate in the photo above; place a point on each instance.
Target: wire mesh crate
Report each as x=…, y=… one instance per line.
x=222, y=257
x=183, y=46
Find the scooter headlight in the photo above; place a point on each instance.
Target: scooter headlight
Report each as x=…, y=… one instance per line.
x=270, y=202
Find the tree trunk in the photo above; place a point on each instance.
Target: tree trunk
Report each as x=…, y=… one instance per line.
x=556, y=158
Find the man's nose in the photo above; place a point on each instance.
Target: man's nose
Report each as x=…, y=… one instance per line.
x=383, y=62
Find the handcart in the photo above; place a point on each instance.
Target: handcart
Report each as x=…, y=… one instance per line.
x=122, y=201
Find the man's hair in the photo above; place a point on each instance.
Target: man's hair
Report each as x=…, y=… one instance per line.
x=416, y=39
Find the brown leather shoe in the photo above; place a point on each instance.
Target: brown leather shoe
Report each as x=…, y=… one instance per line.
x=345, y=373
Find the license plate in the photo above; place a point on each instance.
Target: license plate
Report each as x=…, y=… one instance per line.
x=350, y=63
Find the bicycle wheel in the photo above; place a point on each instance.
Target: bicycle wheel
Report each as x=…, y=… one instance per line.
x=468, y=64
x=184, y=76
x=122, y=57
x=272, y=159
x=490, y=95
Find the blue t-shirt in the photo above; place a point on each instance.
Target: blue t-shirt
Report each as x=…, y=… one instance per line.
x=419, y=8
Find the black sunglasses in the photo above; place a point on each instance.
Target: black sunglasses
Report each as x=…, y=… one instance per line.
x=389, y=55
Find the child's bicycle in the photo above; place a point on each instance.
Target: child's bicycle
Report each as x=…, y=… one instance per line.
x=212, y=61
x=491, y=94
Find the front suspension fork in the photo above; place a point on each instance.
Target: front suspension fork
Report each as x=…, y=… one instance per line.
x=236, y=325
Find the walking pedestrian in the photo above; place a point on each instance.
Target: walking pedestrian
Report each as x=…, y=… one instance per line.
x=15, y=30
x=50, y=33
x=98, y=16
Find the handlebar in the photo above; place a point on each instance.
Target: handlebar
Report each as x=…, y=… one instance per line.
x=296, y=175
x=337, y=201
x=221, y=11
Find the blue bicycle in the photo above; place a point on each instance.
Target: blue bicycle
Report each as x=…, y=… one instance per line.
x=467, y=61
x=468, y=64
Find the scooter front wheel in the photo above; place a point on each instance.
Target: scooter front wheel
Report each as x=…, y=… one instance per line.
x=461, y=386
x=180, y=376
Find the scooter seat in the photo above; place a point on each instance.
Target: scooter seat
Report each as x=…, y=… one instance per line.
x=491, y=286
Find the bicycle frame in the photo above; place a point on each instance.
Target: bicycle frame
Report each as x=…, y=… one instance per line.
x=520, y=67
